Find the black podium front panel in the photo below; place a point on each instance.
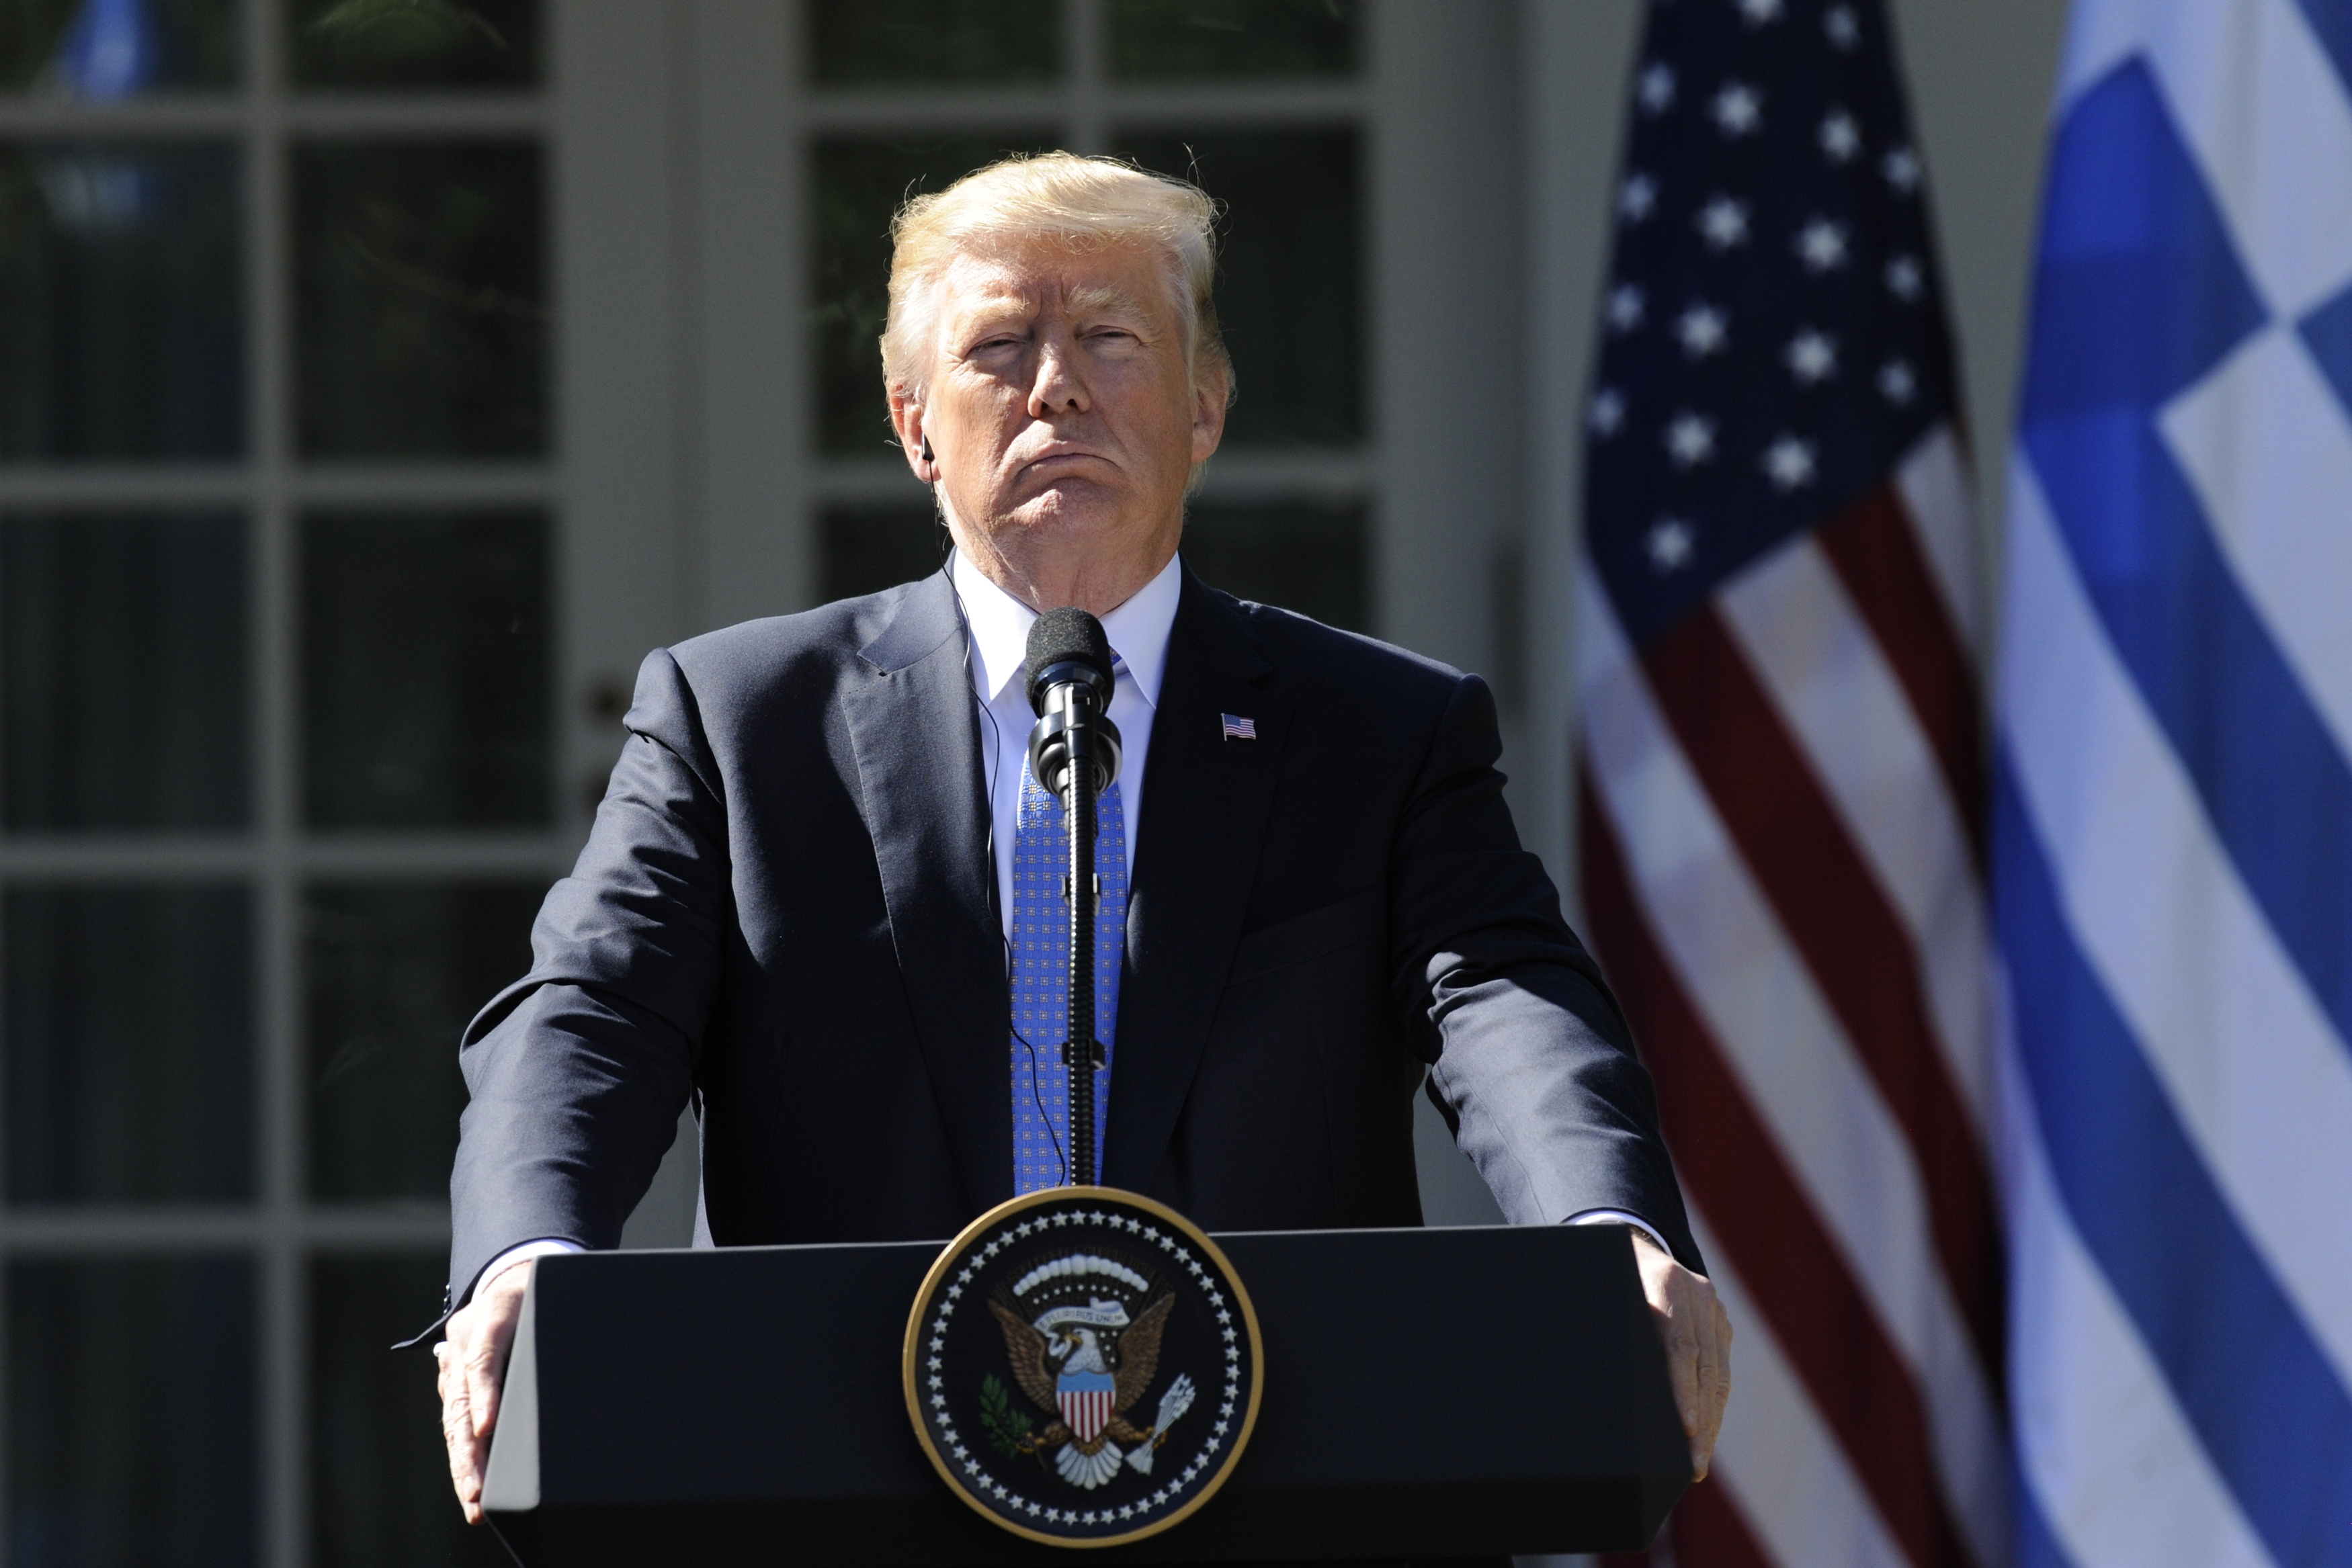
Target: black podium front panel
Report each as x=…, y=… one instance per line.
x=1438, y=1393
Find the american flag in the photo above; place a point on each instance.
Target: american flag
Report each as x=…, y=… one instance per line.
x=1781, y=791
x=1239, y=728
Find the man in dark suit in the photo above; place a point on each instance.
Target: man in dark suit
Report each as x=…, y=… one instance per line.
x=798, y=910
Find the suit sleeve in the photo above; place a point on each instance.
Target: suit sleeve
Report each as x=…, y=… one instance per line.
x=578, y=1071
x=1531, y=1061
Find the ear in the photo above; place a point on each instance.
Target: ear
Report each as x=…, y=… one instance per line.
x=907, y=419
x=1209, y=398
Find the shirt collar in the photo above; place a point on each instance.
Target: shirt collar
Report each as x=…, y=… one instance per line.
x=1138, y=630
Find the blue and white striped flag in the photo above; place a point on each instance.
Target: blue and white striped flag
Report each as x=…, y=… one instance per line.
x=2173, y=833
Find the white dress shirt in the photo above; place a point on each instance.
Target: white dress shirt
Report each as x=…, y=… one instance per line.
x=1138, y=633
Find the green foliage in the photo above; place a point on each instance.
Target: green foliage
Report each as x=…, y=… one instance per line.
x=1007, y=1425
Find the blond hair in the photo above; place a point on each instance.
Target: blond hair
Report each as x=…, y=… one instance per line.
x=1081, y=203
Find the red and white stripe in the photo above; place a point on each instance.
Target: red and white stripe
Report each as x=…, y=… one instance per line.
x=1782, y=843
x=1086, y=1410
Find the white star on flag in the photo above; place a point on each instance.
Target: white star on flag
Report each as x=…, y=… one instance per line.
x=1625, y=307
x=1655, y=88
x=1904, y=277
x=1755, y=13
x=1700, y=331
x=1896, y=382
x=1812, y=356
x=1789, y=462
x=1840, y=137
x=1608, y=412
x=1723, y=222
x=1839, y=23
x=1901, y=168
x=1823, y=245
x=1738, y=108
x=1690, y=439
x=1670, y=543
x=1636, y=197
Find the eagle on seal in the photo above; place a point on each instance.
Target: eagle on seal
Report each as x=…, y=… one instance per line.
x=1065, y=1371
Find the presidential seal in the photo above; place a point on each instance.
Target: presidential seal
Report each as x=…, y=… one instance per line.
x=1082, y=1366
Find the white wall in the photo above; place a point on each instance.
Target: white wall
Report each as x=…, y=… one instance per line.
x=1981, y=76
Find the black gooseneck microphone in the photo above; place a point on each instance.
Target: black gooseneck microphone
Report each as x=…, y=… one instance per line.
x=1074, y=753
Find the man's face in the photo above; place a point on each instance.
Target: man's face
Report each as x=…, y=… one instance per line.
x=1062, y=417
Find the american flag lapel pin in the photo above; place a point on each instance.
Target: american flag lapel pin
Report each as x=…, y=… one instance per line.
x=1239, y=728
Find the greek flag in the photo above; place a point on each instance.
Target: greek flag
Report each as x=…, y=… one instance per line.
x=2173, y=811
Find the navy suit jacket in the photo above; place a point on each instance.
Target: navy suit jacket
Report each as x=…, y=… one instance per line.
x=785, y=915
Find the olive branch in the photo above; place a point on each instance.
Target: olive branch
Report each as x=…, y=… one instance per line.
x=1006, y=1424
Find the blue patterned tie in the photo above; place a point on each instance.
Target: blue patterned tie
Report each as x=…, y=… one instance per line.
x=1041, y=963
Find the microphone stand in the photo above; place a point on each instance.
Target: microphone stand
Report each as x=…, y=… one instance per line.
x=1081, y=1052
x=1075, y=753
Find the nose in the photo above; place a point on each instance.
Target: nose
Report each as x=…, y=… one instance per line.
x=1059, y=386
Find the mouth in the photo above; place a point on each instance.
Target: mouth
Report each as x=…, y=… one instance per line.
x=1059, y=462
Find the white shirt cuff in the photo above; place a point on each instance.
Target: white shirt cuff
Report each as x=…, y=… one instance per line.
x=531, y=1250
x=1590, y=1216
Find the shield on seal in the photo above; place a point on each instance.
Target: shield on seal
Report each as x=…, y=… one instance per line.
x=1085, y=1398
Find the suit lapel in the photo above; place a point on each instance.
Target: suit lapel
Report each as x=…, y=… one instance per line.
x=909, y=710
x=1206, y=816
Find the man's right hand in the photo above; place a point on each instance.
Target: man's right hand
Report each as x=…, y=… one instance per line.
x=1697, y=1337
x=473, y=1365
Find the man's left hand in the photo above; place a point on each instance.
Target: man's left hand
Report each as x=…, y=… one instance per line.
x=1697, y=1337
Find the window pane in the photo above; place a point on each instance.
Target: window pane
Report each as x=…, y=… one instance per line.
x=125, y=644
x=394, y=974
x=868, y=548
x=425, y=669
x=420, y=300
x=1161, y=39
x=101, y=51
x=1288, y=288
x=379, y=1482
x=980, y=43
x=130, y=1028
x=121, y=331
x=859, y=183
x=130, y=1419
x=405, y=44
x=1309, y=556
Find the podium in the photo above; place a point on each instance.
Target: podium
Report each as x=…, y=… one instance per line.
x=1428, y=1394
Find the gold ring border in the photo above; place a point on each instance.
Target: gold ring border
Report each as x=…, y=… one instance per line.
x=1036, y=1199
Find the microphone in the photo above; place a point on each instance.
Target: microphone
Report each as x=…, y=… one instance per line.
x=1074, y=753
x=1070, y=685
